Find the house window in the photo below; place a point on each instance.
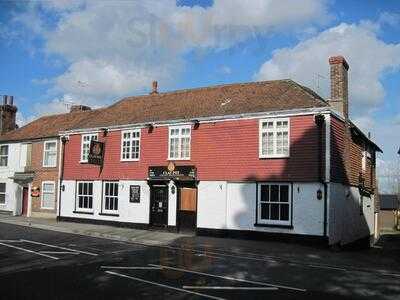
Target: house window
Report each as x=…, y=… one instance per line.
x=274, y=138
x=179, y=142
x=48, y=195
x=110, y=197
x=50, y=154
x=130, y=147
x=274, y=204
x=84, y=196
x=2, y=193
x=86, y=139
x=3, y=155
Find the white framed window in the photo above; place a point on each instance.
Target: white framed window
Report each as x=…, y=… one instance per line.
x=274, y=138
x=2, y=193
x=48, y=195
x=130, y=145
x=110, y=196
x=179, y=142
x=85, y=145
x=3, y=155
x=274, y=203
x=84, y=196
x=50, y=154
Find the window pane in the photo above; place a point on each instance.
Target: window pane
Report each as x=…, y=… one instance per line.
x=2, y=198
x=264, y=193
x=90, y=188
x=274, y=211
x=48, y=187
x=2, y=187
x=3, y=161
x=274, y=193
x=285, y=212
x=48, y=200
x=265, y=211
x=4, y=150
x=284, y=193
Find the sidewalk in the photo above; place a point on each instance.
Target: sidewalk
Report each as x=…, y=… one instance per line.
x=147, y=237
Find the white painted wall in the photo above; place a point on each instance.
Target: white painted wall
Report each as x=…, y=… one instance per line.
x=16, y=151
x=211, y=206
x=128, y=212
x=223, y=205
x=346, y=223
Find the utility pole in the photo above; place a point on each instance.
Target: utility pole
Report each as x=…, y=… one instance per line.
x=397, y=211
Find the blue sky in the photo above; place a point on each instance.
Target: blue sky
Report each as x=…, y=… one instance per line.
x=95, y=52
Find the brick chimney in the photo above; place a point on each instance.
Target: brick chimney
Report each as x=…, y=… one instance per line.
x=154, y=88
x=8, y=112
x=339, y=85
x=76, y=108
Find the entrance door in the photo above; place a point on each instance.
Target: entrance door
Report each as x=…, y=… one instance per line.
x=187, y=209
x=159, y=206
x=25, y=201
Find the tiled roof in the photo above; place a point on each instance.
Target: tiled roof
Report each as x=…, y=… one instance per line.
x=46, y=126
x=213, y=101
x=230, y=99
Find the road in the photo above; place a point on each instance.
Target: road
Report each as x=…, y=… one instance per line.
x=41, y=264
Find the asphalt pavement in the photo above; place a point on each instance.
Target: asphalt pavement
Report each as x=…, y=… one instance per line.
x=44, y=264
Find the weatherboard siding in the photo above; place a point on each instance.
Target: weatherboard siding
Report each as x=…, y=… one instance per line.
x=221, y=151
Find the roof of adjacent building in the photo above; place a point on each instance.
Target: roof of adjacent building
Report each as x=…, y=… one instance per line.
x=221, y=100
x=389, y=201
x=46, y=126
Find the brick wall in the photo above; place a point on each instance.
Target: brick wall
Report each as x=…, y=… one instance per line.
x=221, y=151
x=43, y=174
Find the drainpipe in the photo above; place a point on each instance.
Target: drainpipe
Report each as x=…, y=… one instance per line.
x=61, y=173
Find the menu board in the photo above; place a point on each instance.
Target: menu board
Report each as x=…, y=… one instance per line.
x=134, y=193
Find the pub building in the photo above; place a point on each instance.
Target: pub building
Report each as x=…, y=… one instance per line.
x=253, y=159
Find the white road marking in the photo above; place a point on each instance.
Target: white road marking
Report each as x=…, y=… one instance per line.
x=29, y=251
x=63, y=248
x=192, y=287
x=10, y=241
x=326, y=267
x=59, y=252
x=230, y=278
x=390, y=274
x=163, y=285
x=130, y=268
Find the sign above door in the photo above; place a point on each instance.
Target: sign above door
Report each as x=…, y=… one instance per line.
x=173, y=172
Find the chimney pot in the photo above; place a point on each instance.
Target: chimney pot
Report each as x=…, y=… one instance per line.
x=155, y=88
x=339, y=85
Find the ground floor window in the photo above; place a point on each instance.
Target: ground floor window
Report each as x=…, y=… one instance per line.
x=48, y=195
x=2, y=193
x=84, y=196
x=110, y=196
x=274, y=203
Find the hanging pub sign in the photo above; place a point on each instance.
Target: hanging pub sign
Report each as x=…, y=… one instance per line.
x=96, y=153
x=172, y=172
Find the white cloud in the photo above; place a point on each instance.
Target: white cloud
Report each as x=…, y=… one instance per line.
x=119, y=47
x=368, y=56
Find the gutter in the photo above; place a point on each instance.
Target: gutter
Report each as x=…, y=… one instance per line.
x=280, y=113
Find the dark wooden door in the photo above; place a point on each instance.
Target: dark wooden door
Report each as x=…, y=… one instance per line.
x=25, y=201
x=187, y=212
x=159, y=206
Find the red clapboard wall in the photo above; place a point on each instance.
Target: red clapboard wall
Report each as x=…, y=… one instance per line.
x=221, y=151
